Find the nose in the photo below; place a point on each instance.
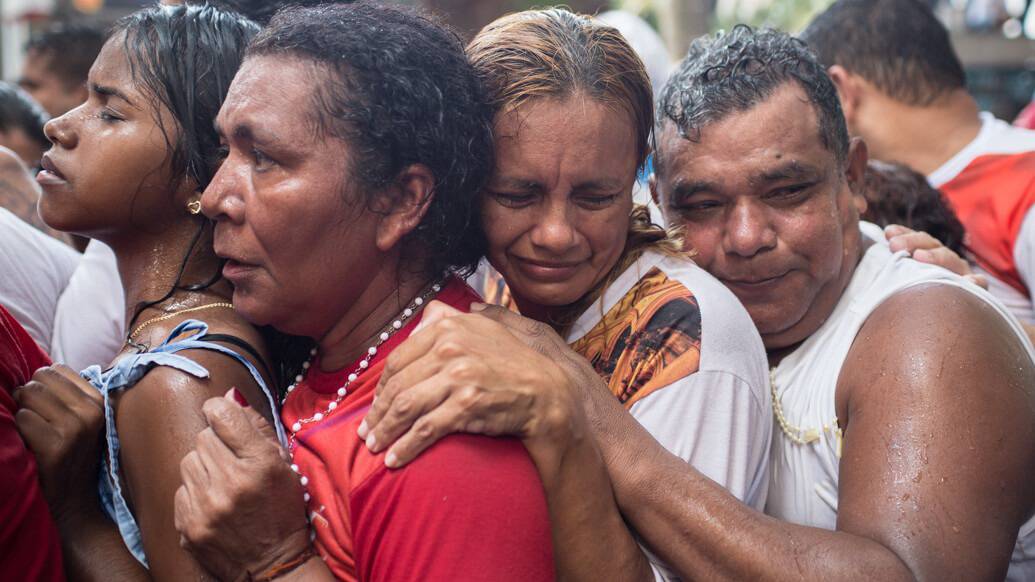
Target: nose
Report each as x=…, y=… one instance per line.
x=223, y=198
x=61, y=130
x=555, y=231
x=748, y=230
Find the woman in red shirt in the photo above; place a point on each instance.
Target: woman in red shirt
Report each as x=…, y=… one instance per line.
x=357, y=141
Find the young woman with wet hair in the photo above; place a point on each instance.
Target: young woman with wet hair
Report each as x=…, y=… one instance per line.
x=127, y=167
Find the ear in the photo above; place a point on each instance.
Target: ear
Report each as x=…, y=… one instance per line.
x=409, y=199
x=848, y=90
x=855, y=171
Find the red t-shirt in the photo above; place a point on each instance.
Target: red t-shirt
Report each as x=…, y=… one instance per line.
x=468, y=508
x=29, y=544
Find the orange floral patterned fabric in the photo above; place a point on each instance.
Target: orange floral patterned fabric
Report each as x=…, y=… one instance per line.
x=648, y=340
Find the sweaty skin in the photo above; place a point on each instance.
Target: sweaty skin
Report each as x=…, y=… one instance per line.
x=113, y=183
x=770, y=210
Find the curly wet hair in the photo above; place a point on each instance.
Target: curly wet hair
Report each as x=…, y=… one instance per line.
x=399, y=91
x=733, y=72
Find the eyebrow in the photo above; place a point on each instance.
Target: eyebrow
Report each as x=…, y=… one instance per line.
x=792, y=170
x=527, y=184
x=110, y=92
x=685, y=189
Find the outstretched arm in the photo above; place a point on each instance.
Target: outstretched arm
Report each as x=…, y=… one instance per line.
x=914, y=379
x=934, y=419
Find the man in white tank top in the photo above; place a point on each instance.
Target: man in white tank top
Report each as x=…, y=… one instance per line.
x=904, y=397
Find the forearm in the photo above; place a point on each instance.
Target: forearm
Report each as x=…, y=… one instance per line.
x=703, y=532
x=93, y=549
x=580, y=500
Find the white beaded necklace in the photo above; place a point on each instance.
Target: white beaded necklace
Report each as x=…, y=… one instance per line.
x=386, y=333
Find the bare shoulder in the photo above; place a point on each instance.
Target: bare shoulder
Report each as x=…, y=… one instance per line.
x=172, y=391
x=939, y=337
x=937, y=402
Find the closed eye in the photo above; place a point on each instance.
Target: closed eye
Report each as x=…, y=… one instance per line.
x=514, y=199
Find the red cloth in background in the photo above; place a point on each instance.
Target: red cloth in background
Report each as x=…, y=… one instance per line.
x=1026, y=118
x=29, y=544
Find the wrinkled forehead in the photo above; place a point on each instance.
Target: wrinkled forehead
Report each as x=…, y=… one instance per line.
x=779, y=130
x=272, y=90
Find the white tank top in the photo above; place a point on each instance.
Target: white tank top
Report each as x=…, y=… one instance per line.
x=803, y=486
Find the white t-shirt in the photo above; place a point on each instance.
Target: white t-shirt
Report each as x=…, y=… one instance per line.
x=682, y=354
x=803, y=487
x=34, y=270
x=89, y=325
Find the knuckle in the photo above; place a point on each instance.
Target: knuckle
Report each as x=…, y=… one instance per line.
x=464, y=369
x=468, y=397
x=403, y=404
x=424, y=429
x=449, y=348
x=45, y=374
x=391, y=365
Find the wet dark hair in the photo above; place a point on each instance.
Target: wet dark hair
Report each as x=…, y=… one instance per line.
x=733, y=72
x=70, y=48
x=262, y=11
x=399, y=91
x=185, y=57
x=19, y=111
x=898, y=45
x=895, y=194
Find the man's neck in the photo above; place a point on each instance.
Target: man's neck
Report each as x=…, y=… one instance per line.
x=924, y=137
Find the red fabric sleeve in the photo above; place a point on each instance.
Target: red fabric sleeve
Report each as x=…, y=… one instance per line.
x=469, y=508
x=29, y=545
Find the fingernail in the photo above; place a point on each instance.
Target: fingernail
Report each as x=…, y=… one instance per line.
x=391, y=461
x=477, y=306
x=235, y=395
x=362, y=430
x=372, y=443
x=922, y=255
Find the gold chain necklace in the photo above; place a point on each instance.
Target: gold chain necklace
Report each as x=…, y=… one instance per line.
x=797, y=434
x=133, y=336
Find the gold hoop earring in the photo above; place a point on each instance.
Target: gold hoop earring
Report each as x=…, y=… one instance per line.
x=194, y=207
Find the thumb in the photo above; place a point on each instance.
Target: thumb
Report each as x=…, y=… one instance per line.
x=504, y=316
x=257, y=421
x=436, y=311
x=242, y=430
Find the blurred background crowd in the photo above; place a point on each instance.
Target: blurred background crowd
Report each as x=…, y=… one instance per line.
x=995, y=39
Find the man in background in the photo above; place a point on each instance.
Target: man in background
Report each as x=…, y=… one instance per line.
x=57, y=62
x=902, y=89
